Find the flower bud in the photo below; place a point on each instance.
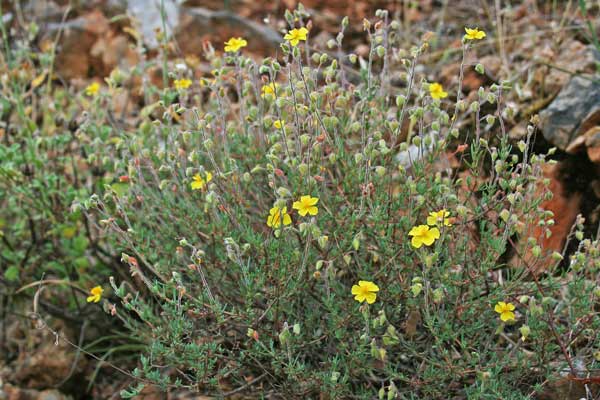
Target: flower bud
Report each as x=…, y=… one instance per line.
x=356, y=243
x=416, y=289
x=283, y=192
x=303, y=169
x=334, y=377
x=322, y=240
x=525, y=331
x=400, y=100
x=285, y=335
x=524, y=299
x=438, y=295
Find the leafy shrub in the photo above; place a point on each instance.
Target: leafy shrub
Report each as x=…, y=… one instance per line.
x=239, y=284
x=47, y=163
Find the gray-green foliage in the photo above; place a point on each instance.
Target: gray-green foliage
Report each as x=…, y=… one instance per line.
x=222, y=299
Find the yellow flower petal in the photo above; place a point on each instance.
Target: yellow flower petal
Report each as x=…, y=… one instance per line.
x=370, y=297
x=234, y=44
x=416, y=242
x=439, y=218
x=370, y=286
x=306, y=205
x=499, y=307
x=294, y=36
x=422, y=234
x=507, y=316
x=277, y=216
x=96, y=294
x=474, y=34
x=269, y=89
x=416, y=231
x=287, y=219
x=311, y=201
x=182, y=84
x=365, y=290
x=436, y=91
x=92, y=89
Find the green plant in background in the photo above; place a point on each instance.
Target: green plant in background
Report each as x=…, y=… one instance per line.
x=56, y=148
x=591, y=33
x=43, y=170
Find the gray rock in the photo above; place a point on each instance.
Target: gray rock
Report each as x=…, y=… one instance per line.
x=569, y=113
x=150, y=17
x=198, y=23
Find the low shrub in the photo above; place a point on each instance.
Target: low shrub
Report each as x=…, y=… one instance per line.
x=302, y=227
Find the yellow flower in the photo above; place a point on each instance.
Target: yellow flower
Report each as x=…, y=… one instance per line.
x=279, y=123
x=198, y=182
x=182, y=83
x=474, y=34
x=269, y=89
x=439, y=218
x=437, y=91
x=306, y=205
x=365, y=290
x=234, y=44
x=277, y=216
x=92, y=89
x=423, y=235
x=505, y=310
x=296, y=35
x=96, y=294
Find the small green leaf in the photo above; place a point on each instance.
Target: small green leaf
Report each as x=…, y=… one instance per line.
x=12, y=273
